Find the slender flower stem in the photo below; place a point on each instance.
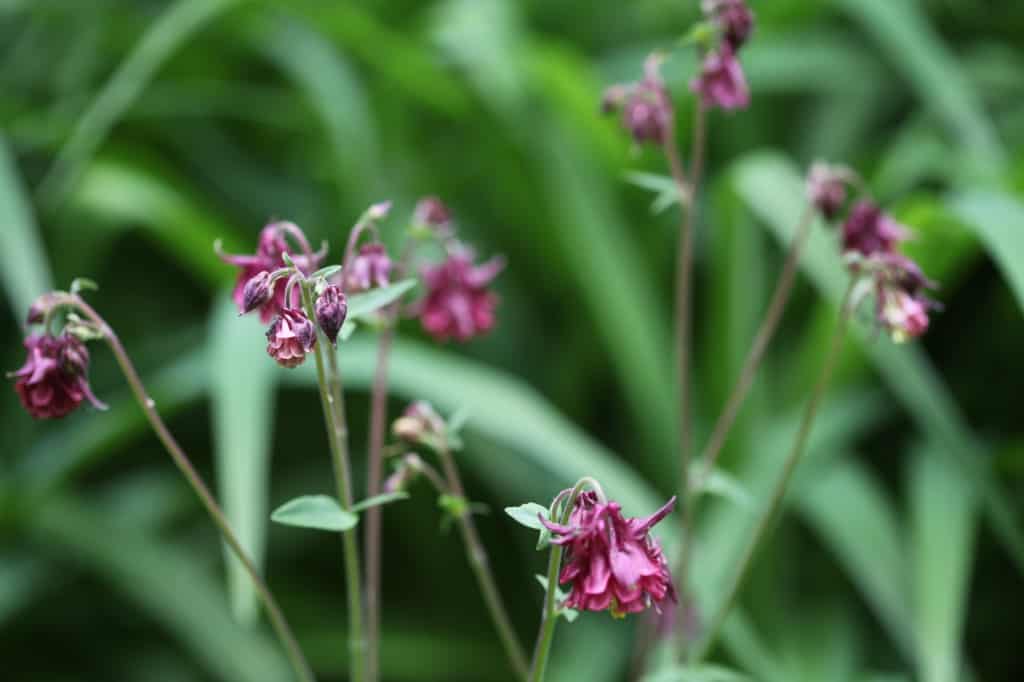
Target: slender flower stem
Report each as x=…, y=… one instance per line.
x=764, y=336
x=331, y=400
x=549, y=619
x=277, y=619
x=480, y=564
x=684, y=276
x=378, y=421
x=768, y=518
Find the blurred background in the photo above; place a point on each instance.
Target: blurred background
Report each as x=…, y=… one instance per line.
x=136, y=132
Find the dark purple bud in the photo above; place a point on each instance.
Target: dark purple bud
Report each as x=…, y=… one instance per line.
x=869, y=231
x=257, y=292
x=290, y=337
x=721, y=82
x=331, y=308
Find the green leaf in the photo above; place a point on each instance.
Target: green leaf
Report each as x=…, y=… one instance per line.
x=24, y=270
x=375, y=299
x=242, y=389
x=327, y=272
x=903, y=31
x=165, y=583
x=999, y=221
x=943, y=515
x=319, y=512
x=378, y=500
x=163, y=38
x=527, y=515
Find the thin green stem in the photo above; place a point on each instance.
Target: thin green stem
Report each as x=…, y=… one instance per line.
x=684, y=276
x=479, y=562
x=768, y=518
x=277, y=620
x=374, y=472
x=331, y=400
x=549, y=617
x=764, y=335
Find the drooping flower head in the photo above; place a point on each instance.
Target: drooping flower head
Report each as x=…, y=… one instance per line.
x=53, y=382
x=612, y=562
x=459, y=303
x=733, y=17
x=290, y=337
x=272, y=245
x=902, y=304
x=826, y=188
x=371, y=267
x=721, y=82
x=419, y=423
x=645, y=105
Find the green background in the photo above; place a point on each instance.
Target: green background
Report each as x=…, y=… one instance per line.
x=134, y=133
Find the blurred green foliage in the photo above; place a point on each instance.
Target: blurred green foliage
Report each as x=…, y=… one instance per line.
x=135, y=132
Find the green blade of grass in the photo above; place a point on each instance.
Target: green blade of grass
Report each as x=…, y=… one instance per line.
x=242, y=389
x=24, y=270
x=999, y=221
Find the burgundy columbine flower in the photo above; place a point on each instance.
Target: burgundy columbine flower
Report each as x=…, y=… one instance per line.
x=646, y=105
x=53, y=381
x=735, y=19
x=902, y=305
x=331, y=308
x=290, y=337
x=432, y=214
x=869, y=231
x=826, y=188
x=721, y=82
x=370, y=267
x=612, y=562
x=458, y=303
x=268, y=257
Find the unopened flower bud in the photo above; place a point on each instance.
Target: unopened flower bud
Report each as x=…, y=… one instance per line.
x=40, y=307
x=290, y=337
x=721, y=82
x=379, y=211
x=331, y=308
x=256, y=292
x=826, y=188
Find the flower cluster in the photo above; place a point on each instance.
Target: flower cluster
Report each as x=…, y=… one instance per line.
x=612, y=562
x=264, y=294
x=870, y=238
x=721, y=82
x=53, y=382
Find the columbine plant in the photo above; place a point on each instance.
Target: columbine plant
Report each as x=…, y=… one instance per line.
x=607, y=561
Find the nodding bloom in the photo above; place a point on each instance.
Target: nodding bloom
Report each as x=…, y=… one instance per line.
x=53, y=382
x=331, y=309
x=826, y=188
x=868, y=230
x=431, y=213
x=290, y=337
x=721, y=82
x=902, y=305
x=370, y=267
x=646, y=106
x=268, y=257
x=612, y=562
x=458, y=304
x=734, y=18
